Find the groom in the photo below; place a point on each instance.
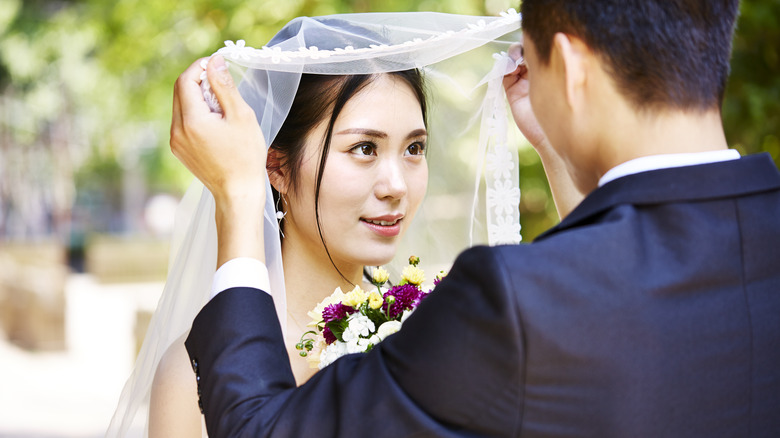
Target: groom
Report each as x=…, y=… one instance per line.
x=652, y=309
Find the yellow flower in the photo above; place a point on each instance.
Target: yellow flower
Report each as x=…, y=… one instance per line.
x=355, y=298
x=316, y=314
x=387, y=329
x=380, y=276
x=314, y=355
x=375, y=300
x=413, y=275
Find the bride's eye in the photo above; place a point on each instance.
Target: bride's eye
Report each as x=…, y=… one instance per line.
x=417, y=148
x=364, y=149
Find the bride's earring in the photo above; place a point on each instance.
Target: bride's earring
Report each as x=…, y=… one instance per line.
x=279, y=213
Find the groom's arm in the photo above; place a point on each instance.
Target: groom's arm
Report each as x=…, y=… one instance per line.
x=455, y=365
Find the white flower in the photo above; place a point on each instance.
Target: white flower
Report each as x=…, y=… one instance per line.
x=237, y=50
x=277, y=55
x=358, y=345
x=347, y=49
x=504, y=231
x=331, y=353
x=316, y=53
x=388, y=328
x=359, y=326
x=500, y=162
x=510, y=13
x=407, y=313
x=503, y=197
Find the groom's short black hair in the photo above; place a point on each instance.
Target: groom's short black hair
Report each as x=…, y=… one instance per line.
x=661, y=53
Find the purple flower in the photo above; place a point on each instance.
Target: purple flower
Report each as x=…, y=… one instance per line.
x=328, y=335
x=336, y=311
x=419, y=298
x=407, y=296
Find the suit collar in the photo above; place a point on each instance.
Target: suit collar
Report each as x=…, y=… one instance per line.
x=751, y=174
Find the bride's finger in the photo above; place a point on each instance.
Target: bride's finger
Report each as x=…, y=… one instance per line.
x=515, y=51
x=176, y=118
x=189, y=93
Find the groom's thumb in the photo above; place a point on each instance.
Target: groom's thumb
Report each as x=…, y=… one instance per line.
x=223, y=86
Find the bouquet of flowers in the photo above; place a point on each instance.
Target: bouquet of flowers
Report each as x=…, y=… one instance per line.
x=356, y=321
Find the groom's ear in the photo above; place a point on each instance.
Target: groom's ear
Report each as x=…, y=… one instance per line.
x=574, y=55
x=277, y=175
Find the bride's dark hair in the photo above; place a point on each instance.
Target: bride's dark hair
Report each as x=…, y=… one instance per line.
x=318, y=97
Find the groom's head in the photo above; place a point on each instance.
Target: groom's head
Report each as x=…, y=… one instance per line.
x=659, y=53
x=613, y=80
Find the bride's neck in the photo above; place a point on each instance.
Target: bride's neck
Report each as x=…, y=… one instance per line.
x=309, y=275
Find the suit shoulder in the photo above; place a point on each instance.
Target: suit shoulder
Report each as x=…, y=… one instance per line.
x=512, y=257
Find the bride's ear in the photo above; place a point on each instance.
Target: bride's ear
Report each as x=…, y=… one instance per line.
x=277, y=176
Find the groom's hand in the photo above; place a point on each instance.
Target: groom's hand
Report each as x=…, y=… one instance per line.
x=227, y=153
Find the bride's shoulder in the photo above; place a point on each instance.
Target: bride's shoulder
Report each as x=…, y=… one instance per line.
x=174, y=366
x=173, y=409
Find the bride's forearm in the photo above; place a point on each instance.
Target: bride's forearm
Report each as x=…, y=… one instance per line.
x=565, y=194
x=240, y=227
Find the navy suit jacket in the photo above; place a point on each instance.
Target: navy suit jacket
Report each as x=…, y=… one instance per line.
x=652, y=310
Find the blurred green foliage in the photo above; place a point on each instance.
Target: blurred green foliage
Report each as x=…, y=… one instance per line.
x=87, y=85
x=751, y=111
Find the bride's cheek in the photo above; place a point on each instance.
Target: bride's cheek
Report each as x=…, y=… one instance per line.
x=419, y=184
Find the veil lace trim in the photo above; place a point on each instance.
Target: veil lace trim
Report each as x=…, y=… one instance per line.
x=239, y=51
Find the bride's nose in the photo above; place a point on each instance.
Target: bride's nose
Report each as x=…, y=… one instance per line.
x=391, y=180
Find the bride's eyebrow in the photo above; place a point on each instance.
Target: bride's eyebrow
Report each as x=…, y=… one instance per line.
x=417, y=133
x=363, y=131
x=380, y=134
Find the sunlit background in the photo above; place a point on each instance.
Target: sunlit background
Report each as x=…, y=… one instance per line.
x=88, y=186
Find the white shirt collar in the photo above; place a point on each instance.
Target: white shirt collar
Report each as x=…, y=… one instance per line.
x=666, y=161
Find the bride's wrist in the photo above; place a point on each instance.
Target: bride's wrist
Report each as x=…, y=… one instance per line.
x=244, y=196
x=239, y=220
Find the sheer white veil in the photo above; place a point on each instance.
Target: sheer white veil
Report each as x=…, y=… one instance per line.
x=467, y=107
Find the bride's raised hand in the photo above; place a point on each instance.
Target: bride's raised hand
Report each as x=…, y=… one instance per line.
x=516, y=84
x=517, y=92
x=226, y=152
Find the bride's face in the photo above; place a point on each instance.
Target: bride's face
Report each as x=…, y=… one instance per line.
x=374, y=178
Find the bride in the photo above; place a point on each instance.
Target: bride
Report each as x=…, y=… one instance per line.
x=337, y=217
x=346, y=121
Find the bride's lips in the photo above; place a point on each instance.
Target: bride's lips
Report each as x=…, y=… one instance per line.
x=386, y=226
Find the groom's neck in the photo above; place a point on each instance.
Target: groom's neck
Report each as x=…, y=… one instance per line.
x=627, y=135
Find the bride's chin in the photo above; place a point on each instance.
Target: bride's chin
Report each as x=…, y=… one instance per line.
x=379, y=256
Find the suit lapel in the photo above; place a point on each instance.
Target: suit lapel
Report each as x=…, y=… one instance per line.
x=751, y=174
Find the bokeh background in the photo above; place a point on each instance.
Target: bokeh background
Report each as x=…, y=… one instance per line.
x=88, y=186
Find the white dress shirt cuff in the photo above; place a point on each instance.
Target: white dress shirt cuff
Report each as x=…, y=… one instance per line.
x=241, y=272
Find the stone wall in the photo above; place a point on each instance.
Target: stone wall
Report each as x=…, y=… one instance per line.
x=113, y=259
x=32, y=294
x=33, y=278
